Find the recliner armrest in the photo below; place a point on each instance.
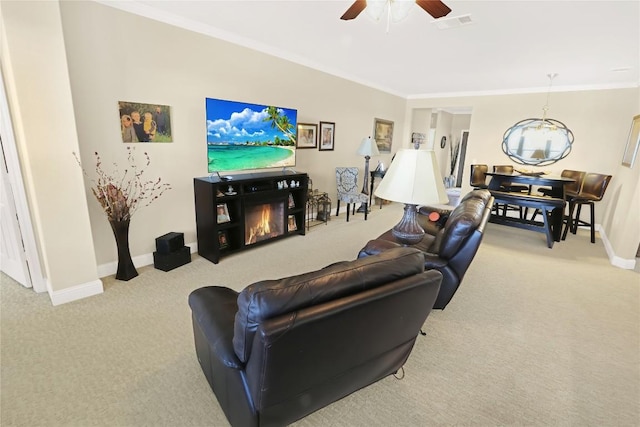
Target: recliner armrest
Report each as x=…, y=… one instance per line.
x=376, y=246
x=433, y=261
x=430, y=226
x=214, y=309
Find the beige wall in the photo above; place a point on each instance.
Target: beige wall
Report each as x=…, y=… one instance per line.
x=114, y=56
x=34, y=65
x=600, y=121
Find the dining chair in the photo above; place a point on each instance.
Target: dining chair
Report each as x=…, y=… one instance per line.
x=508, y=186
x=571, y=190
x=593, y=188
x=478, y=178
x=348, y=192
x=511, y=188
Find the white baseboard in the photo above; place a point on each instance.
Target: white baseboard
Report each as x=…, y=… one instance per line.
x=74, y=293
x=616, y=261
x=111, y=268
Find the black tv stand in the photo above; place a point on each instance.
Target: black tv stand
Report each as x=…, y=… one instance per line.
x=236, y=198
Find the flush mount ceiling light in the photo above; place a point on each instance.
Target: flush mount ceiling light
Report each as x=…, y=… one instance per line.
x=538, y=142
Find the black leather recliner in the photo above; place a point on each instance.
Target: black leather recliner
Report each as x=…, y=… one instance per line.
x=449, y=248
x=281, y=349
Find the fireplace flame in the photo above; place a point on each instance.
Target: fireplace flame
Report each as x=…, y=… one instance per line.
x=261, y=229
x=266, y=218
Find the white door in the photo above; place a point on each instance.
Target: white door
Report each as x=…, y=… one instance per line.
x=17, y=243
x=13, y=260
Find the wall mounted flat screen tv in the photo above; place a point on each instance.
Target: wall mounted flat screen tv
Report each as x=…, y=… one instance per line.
x=242, y=136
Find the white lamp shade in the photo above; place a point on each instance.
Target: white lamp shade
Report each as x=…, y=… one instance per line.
x=413, y=178
x=368, y=147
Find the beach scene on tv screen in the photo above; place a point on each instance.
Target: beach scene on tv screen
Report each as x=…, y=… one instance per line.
x=244, y=136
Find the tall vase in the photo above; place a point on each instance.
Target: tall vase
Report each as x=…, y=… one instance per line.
x=126, y=269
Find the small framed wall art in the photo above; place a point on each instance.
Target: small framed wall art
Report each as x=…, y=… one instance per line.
x=383, y=134
x=418, y=138
x=327, y=136
x=631, y=150
x=307, y=135
x=144, y=122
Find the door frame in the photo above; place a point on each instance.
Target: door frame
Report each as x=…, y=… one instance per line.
x=20, y=197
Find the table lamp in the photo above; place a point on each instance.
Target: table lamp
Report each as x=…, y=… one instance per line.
x=368, y=148
x=413, y=178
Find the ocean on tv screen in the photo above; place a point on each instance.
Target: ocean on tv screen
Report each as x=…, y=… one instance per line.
x=241, y=157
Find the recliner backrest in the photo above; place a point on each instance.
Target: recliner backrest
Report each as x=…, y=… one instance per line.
x=462, y=222
x=319, y=353
x=484, y=195
x=269, y=298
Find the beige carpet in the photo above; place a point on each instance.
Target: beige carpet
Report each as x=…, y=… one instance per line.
x=534, y=337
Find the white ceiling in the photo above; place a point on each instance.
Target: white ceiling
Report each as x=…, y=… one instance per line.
x=510, y=47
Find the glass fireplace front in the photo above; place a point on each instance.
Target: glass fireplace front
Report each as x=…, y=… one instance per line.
x=263, y=222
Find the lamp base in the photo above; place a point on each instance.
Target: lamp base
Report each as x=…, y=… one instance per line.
x=408, y=231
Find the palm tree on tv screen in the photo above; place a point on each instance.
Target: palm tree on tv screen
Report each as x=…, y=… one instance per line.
x=281, y=121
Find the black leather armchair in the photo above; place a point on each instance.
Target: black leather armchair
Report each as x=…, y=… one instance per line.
x=281, y=349
x=450, y=248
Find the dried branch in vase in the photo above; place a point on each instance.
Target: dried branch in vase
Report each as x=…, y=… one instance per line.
x=121, y=194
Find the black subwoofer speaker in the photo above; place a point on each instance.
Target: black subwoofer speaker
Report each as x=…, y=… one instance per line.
x=169, y=243
x=166, y=262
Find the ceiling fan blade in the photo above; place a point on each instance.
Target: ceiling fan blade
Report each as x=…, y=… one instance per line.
x=355, y=9
x=435, y=8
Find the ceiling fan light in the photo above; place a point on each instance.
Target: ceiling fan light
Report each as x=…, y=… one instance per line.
x=375, y=8
x=400, y=9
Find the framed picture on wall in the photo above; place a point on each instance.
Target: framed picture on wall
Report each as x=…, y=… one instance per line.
x=144, y=122
x=631, y=150
x=307, y=136
x=418, y=138
x=383, y=134
x=327, y=136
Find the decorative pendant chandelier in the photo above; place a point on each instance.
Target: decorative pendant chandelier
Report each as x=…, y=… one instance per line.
x=538, y=142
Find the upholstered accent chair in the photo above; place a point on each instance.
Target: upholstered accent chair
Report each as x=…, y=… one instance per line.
x=348, y=192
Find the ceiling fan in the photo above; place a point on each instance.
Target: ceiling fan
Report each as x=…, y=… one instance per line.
x=435, y=8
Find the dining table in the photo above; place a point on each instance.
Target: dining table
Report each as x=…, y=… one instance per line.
x=556, y=183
